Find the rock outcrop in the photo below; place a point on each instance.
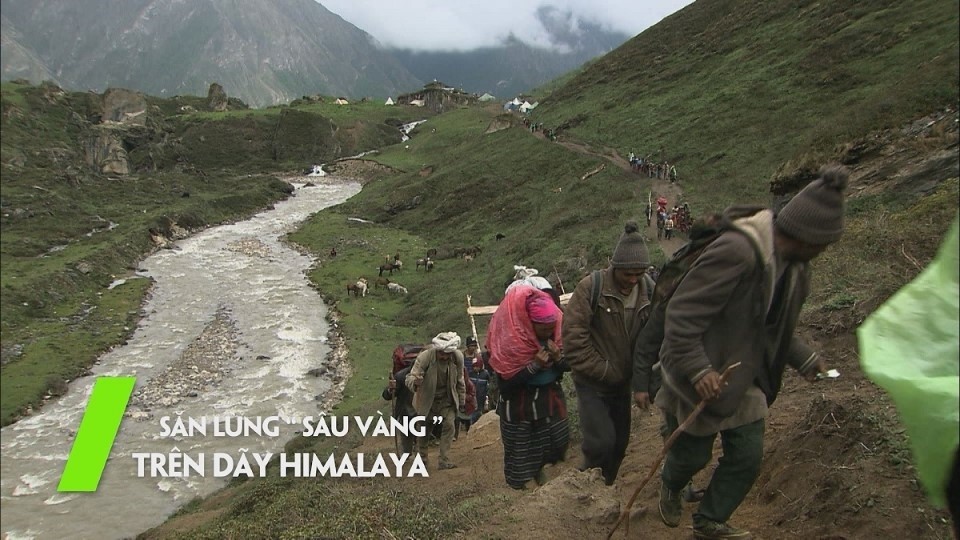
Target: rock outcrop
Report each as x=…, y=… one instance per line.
x=104, y=152
x=216, y=98
x=125, y=106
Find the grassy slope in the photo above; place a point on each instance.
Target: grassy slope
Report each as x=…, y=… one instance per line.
x=736, y=89
x=729, y=90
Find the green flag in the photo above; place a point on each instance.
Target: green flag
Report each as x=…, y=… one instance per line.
x=910, y=346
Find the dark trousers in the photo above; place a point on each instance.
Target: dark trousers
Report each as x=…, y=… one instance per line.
x=605, y=427
x=734, y=476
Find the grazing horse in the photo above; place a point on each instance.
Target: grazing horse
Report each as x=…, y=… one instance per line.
x=358, y=289
x=390, y=267
x=423, y=262
x=432, y=252
x=381, y=281
x=429, y=265
x=468, y=258
x=396, y=288
x=500, y=236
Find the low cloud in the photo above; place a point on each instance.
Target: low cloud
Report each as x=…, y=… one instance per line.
x=445, y=25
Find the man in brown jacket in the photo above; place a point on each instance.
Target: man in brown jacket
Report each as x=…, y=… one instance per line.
x=598, y=341
x=739, y=302
x=436, y=379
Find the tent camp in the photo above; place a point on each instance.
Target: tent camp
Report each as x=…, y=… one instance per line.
x=486, y=97
x=341, y=101
x=389, y=101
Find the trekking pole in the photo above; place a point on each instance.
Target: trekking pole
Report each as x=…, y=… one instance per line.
x=393, y=409
x=559, y=281
x=625, y=514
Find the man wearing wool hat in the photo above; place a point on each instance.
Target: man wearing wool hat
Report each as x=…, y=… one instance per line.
x=439, y=389
x=600, y=325
x=739, y=302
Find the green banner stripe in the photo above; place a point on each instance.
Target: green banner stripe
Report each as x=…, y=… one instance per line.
x=98, y=429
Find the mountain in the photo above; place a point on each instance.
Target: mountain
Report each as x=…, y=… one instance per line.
x=514, y=66
x=264, y=52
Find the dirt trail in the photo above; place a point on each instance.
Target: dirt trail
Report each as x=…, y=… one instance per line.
x=644, y=189
x=823, y=456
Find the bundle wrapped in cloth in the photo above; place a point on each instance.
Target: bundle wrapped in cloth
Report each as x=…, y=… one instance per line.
x=511, y=337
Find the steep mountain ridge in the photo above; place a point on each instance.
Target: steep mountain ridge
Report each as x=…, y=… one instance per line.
x=263, y=52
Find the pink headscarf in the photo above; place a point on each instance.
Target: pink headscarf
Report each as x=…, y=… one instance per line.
x=511, y=338
x=542, y=309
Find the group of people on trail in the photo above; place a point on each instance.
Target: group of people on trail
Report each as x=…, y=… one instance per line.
x=537, y=127
x=719, y=331
x=646, y=166
x=674, y=221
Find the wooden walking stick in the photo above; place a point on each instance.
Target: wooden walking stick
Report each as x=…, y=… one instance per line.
x=393, y=409
x=559, y=281
x=625, y=514
x=473, y=323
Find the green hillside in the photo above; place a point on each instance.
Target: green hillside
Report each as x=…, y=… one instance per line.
x=730, y=90
x=188, y=170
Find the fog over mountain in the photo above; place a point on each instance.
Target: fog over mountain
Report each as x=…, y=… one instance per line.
x=267, y=51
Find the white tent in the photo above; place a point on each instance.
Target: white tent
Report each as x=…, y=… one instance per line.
x=486, y=97
x=526, y=106
x=418, y=102
x=389, y=101
x=341, y=101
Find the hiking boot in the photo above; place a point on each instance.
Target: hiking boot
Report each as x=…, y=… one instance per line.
x=690, y=494
x=705, y=529
x=444, y=465
x=670, y=509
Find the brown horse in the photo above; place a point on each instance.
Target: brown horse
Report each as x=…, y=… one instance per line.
x=389, y=267
x=358, y=289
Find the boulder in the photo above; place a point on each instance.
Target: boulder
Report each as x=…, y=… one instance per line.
x=126, y=106
x=216, y=98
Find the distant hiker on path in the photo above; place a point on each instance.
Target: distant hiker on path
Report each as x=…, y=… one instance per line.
x=439, y=389
x=600, y=326
x=524, y=338
x=754, y=271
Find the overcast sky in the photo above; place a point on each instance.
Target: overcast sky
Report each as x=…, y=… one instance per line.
x=458, y=25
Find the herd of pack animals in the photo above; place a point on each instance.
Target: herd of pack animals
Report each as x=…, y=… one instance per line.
x=393, y=264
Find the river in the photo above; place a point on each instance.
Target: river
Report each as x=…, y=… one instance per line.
x=231, y=329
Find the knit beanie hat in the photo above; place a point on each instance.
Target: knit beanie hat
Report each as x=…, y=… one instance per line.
x=815, y=215
x=631, y=251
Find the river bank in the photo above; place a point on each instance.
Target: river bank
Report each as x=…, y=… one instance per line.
x=231, y=328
